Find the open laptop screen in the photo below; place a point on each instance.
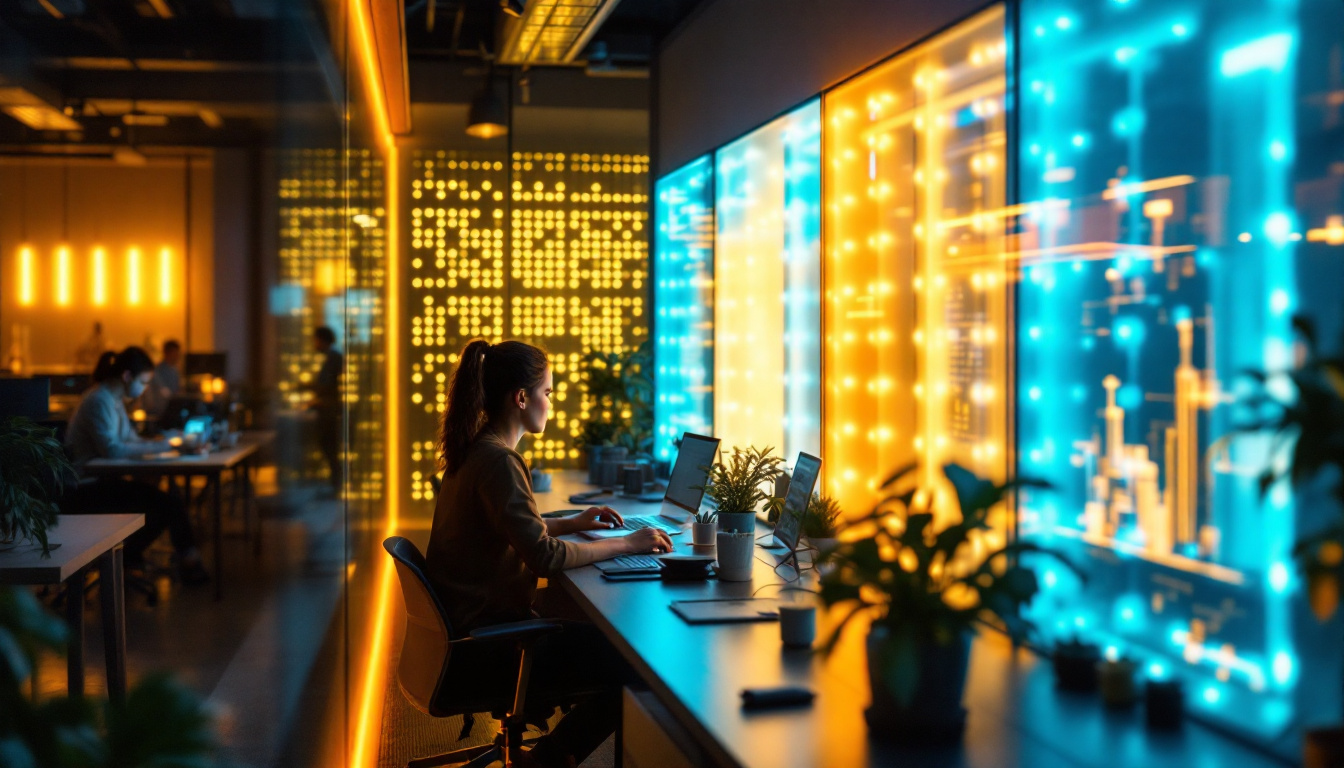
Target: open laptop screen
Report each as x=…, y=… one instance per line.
x=696, y=454
x=804, y=479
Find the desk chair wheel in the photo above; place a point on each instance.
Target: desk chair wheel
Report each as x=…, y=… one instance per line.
x=472, y=757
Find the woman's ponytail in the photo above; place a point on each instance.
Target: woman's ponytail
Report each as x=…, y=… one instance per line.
x=106, y=367
x=465, y=413
x=486, y=375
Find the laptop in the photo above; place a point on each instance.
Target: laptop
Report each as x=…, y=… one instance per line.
x=684, y=491
x=801, y=484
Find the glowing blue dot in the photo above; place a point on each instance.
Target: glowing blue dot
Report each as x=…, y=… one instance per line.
x=1077, y=266
x=1278, y=150
x=1130, y=397
x=1063, y=22
x=1123, y=55
x=1127, y=614
x=1124, y=332
x=1034, y=332
x=1079, y=393
x=1282, y=668
x=1034, y=393
x=1278, y=227
x=1035, y=149
x=1180, y=30
x=1157, y=671
x=1079, y=139
x=1037, y=86
x=1040, y=31
x=1089, y=342
x=1278, y=577
x=1049, y=578
x=1212, y=695
x=1279, y=301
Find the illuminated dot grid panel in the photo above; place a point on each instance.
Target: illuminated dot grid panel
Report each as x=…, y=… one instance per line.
x=1176, y=167
x=569, y=274
x=767, y=264
x=331, y=262
x=916, y=297
x=683, y=296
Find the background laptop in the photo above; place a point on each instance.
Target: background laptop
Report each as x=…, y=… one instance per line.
x=684, y=494
x=801, y=484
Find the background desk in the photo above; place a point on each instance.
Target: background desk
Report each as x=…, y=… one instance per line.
x=212, y=467
x=83, y=539
x=1017, y=717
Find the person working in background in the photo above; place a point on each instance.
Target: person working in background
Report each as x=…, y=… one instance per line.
x=167, y=380
x=100, y=429
x=87, y=354
x=488, y=544
x=326, y=390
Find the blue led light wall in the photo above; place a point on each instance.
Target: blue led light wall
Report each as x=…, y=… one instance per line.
x=1175, y=167
x=767, y=302
x=683, y=295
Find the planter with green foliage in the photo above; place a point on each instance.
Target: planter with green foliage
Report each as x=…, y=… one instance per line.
x=619, y=397
x=162, y=724
x=737, y=487
x=33, y=471
x=1306, y=417
x=925, y=599
x=821, y=522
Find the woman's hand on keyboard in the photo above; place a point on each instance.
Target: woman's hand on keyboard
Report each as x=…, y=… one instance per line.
x=597, y=519
x=648, y=540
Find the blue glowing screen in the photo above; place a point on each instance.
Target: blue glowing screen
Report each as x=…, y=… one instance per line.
x=1175, y=160
x=683, y=298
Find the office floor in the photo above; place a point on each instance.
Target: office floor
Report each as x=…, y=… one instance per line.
x=250, y=654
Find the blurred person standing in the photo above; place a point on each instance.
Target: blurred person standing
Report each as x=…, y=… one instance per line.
x=326, y=389
x=167, y=381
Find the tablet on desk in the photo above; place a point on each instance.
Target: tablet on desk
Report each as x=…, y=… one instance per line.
x=727, y=611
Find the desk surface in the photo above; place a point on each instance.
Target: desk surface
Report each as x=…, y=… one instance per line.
x=1017, y=717
x=248, y=443
x=82, y=538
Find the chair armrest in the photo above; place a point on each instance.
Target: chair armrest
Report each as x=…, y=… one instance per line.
x=517, y=630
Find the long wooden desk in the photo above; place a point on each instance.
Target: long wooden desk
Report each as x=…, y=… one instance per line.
x=212, y=467
x=1017, y=717
x=82, y=539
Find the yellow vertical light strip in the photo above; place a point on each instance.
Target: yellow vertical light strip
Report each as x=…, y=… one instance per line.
x=368, y=722
x=63, y=276
x=26, y=276
x=99, y=276
x=165, y=276
x=133, y=276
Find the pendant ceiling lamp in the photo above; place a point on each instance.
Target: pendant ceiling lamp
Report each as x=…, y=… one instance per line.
x=489, y=113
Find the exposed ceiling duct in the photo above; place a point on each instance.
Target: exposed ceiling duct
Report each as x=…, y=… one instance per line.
x=552, y=31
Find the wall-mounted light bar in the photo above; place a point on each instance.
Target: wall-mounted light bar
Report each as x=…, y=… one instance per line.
x=26, y=276
x=133, y=276
x=99, y=270
x=165, y=276
x=63, y=276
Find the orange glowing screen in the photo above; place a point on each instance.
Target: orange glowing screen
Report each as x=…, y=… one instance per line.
x=915, y=297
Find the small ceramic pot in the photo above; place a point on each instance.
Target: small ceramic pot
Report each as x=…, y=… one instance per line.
x=1117, y=682
x=1164, y=703
x=704, y=534
x=797, y=625
x=735, y=555
x=737, y=522
x=541, y=481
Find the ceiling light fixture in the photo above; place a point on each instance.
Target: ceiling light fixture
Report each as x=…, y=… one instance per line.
x=489, y=114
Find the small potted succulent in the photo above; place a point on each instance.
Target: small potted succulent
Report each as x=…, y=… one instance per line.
x=737, y=486
x=33, y=472
x=705, y=529
x=926, y=594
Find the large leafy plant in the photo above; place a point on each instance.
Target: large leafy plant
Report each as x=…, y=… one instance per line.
x=161, y=725
x=620, y=394
x=1303, y=410
x=739, y=484
x=33, y=471
x=922, y=584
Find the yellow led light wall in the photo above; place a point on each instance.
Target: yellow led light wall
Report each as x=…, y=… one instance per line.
x=916, y=296
x=767, y=265
x=56, y=277
x=545, y=247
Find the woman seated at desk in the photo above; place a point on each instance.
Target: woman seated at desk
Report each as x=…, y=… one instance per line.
x=100, y=429
x=489, y=544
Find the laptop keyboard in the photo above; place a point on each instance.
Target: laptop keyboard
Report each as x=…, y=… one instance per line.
x=645, y=521
x=635, y=562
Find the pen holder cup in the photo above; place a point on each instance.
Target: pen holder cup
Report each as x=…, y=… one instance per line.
x=798, y=625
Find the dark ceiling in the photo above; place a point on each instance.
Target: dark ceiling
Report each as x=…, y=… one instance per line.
x=236, y=72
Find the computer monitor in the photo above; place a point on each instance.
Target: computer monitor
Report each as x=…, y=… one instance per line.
x=70, y=384
x=206, y=364
x=29, y=398
x=685, y=488
x=801, y=484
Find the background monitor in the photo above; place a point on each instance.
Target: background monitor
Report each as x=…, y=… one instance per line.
x=801, y=484
x=70, y=384
x=206, y=364
x=29, y=398
x=691, y=470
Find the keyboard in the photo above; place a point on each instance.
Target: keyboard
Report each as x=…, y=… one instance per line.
x=629, y=562
x=649, y=521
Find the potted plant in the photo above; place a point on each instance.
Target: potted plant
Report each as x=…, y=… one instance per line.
x=705, y=529
x=736, y=486
x=1306, y=418
x=33, y=472
x=925, y=596
x=821, y=523
x=161, y=723
x=619, y=396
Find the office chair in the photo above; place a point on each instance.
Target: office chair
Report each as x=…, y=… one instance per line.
x=491, y=672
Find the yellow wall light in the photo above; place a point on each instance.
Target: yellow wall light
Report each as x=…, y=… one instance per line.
x=99, y=271
x=63, y=276
x=26, y=293
x=165, y=276
x=133, y=276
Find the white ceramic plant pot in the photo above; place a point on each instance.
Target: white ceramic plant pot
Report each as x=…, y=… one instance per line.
x=735, y=555
x=704, y=534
